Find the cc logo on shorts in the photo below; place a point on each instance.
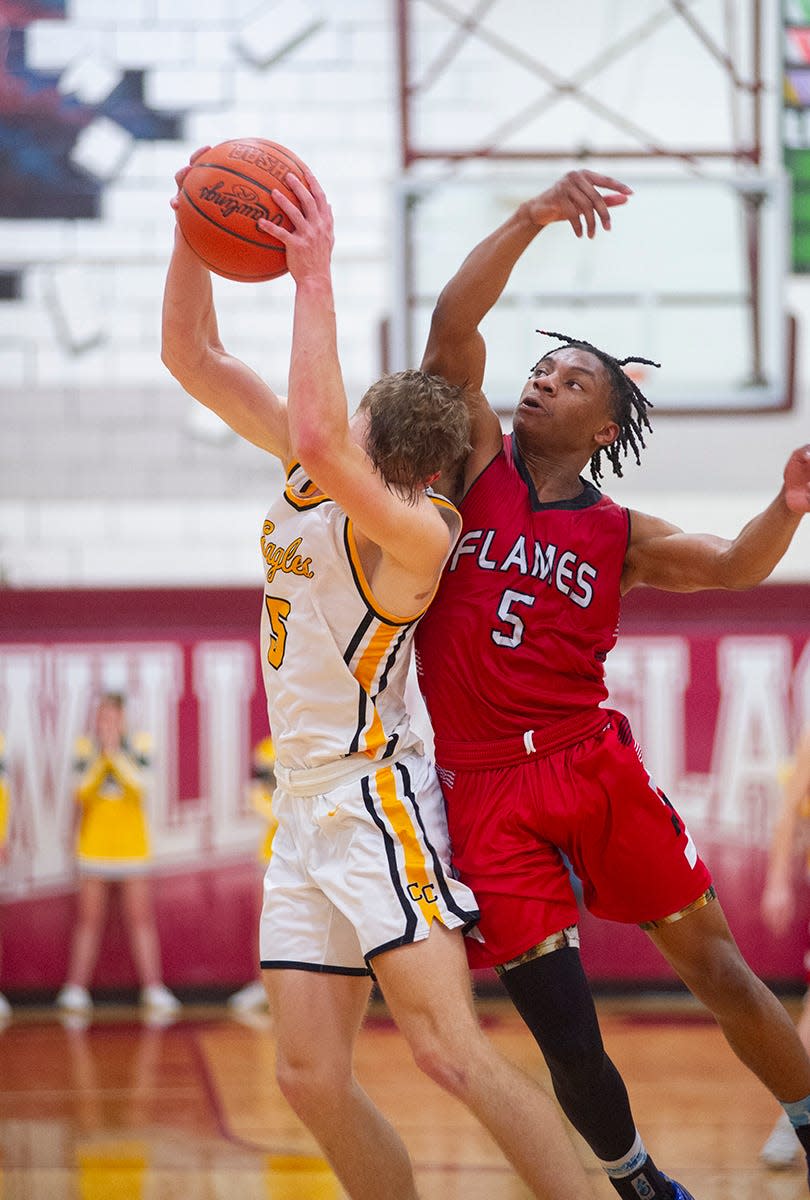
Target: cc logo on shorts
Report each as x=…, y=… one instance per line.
x=427, y=893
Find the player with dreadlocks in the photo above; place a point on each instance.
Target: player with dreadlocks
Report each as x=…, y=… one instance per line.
x=629, y=405
x=511, y=659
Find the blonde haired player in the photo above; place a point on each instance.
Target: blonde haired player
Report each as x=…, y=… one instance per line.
x=352, y=548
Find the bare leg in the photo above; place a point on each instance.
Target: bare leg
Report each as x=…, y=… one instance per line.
x=803, y=1023
x=140, y=919
x=757, y=1026
x=427, y=989
x=92, y=903
x=317, y=1018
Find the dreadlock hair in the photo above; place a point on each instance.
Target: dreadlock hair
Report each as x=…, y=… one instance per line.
x=629, y=405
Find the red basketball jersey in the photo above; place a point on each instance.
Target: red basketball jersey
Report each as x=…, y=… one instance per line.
x=527, y=609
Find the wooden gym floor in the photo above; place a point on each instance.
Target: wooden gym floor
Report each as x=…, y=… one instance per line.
x=118, y=1110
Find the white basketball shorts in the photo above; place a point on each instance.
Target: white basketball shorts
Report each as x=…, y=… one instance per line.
x=359, y=870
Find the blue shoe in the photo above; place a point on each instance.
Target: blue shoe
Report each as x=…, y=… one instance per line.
x=679, y=1192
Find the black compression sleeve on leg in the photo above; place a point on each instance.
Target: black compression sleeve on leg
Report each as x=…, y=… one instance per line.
x=553, y=997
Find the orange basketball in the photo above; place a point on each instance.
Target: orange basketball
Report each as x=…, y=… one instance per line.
x=225, y=194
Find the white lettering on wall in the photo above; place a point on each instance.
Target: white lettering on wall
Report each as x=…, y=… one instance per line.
x=648, y=677
x=224, y=680
x=47, y=694
x=752, y=733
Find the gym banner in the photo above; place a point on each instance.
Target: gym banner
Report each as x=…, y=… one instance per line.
x=716, y=687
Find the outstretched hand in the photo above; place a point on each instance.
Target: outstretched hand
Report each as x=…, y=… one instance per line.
x=308, y=244
x=578, y=198
x=797, y=480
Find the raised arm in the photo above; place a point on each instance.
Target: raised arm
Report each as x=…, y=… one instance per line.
x=194, y=354
x=322, y=438
x=455, y=347
x=663, y=556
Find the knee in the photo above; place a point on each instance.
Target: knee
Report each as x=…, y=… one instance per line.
x=444, y=1059
x=723, y=979
x=578, y=1056
x=307, y=1085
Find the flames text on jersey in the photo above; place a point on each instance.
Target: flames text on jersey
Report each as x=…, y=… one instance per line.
x=572, y=576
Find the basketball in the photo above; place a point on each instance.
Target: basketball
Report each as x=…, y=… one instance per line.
x=225, y=193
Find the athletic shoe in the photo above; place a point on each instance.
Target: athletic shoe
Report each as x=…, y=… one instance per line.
x=679, y=1192
x=74, y=998
x=158, y=998
x=5, y=1008
x=782, y=1147
x=251, y=996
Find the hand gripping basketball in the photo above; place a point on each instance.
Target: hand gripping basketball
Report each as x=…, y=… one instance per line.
x=225, y=207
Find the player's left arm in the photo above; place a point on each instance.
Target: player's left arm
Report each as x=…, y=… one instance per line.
x=193, y=352
x=661, y=555
x=321, y=439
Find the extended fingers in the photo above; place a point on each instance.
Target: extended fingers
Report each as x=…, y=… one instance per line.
x=588, y=202
x=607, y=182
x=312, y=204
x=316, y=189
x=307, y=201
x=291, y=211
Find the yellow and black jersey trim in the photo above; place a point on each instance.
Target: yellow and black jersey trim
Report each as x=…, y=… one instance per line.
x=363, y=586
x=381, y=644
x=309, y=495
x=390, y=800
x=442, y=502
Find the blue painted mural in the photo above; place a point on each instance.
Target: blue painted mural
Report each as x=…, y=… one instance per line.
x=39, y=125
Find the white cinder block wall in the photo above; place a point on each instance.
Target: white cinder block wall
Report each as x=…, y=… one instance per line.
x=109, y=474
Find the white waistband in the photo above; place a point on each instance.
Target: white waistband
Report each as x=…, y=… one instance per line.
x=314, y=781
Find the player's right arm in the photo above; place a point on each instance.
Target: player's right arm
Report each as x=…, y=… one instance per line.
x=413, y=536
x=194, y=354
x=455, y=347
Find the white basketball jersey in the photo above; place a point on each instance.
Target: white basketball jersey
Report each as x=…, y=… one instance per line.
x=335, y=663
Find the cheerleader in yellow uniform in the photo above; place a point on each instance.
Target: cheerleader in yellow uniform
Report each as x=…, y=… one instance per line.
x=5, y=1007
x=112, y=849
x=252, y=996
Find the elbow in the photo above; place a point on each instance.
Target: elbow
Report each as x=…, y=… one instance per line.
x=179, y=361
x=171, y=363
x=733, y=568
x=745, y=582
x=445, y=324
x=742, y=578
x=170, y=356
x=322, y=450
x=313, y=448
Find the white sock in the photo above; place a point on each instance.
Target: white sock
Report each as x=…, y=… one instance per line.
x=630, y=1162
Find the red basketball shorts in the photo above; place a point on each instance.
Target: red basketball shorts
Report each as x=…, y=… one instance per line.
x=595, y=803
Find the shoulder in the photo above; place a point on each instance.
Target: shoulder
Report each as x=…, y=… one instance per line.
x=447, y=511
x=645, y=528
x=497, y=463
